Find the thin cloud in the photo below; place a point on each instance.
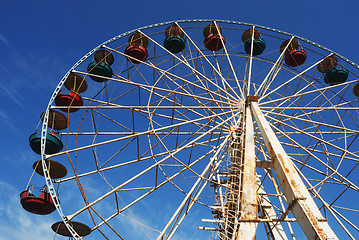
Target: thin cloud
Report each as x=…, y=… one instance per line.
x=4, y=118
x=13, y=94
x=4, y=40
x=15, y=222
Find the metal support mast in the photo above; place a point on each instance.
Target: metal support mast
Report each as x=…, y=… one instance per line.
x=298, y=198
x=242, y=200
x=249, y=202
x=241, y=217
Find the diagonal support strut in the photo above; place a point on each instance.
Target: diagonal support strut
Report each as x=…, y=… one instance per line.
x=304, y=208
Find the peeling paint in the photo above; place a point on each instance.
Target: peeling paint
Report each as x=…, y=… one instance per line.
x=297, y=195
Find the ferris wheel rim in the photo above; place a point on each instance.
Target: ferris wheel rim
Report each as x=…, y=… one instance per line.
x=59, y=86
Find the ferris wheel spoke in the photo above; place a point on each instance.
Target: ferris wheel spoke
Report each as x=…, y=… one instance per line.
x=313, y=109
x=324, y=151
x=187, y=199
x=221, y=70
x=307, y=107
x=346, y=220
x=149, y=88
x=247, y=79
x=318, y=113
x=292, y=102
x=142, y=109
x=211, y=65
x=230, y=63
x=343, y=217
x=187, y=64
x=170, y=75
x=201, y=104
x=198, y=124
x=228, y=75
x=186, y=93
x=301, y=162
x=318, y=139
x=107, y=224
x=351, y=184
x=144, y=171
x=191, y=110
x=330, y=154
x=190, y=134
x=137, y=160
x=329, y=102
x=290, y=80
x=184, y=141
x=143, y=133
x=190, y=92
x=268, y=80
x=283, y=99
x=324, y=174
x=315, y=123
x=154, y=188
x=168, y=179
x=190, y=203
x=185, y=118
x=161, y=141
x=332, y=210
x=296, y=102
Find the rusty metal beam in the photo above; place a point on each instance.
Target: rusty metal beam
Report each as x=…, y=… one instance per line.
x=296, y=193
x=249, y=201
x=268, y=210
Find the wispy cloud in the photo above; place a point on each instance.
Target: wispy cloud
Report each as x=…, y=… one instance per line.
x=4, y=118
x=26, y=71
x=16, y=223
x=4, y=40
x=12, y=94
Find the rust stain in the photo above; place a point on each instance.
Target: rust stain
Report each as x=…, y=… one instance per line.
x=311, y=217
x=314, y=222
x=252, y=98
x=289, y=173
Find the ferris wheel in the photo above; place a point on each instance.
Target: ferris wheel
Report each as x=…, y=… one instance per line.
x=202, y=129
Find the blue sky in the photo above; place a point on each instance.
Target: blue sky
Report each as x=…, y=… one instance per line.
x=41, y=40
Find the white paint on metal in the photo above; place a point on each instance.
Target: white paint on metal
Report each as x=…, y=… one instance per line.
x=297, y=195
x=249, y=201
x=268, y=209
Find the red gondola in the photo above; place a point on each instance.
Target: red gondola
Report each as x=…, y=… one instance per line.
x=214, y=42
x=138, y=54
x=41, y=205
x=295, y=57
x=214, y=39
x=289, y=45
x=67, y=100
x=137, y=48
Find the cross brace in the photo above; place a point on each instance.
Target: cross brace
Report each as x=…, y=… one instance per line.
x=297, y=195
